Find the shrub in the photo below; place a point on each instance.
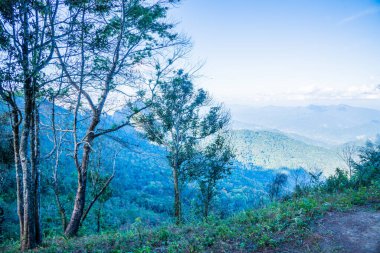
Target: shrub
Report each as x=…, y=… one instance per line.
x=337, y=182
x=367, y=170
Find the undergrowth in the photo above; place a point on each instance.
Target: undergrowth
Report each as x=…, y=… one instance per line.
x=247, y=231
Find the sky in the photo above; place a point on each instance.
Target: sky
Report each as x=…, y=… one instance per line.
x=285, y=52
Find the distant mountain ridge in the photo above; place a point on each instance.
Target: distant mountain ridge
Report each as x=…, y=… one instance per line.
x=330, y=124
x=275, y=150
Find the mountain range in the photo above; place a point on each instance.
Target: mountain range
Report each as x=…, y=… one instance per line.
x=326, y=125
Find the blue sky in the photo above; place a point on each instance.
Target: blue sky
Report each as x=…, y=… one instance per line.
x=286, y=52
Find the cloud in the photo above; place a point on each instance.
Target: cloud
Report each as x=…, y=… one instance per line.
x=359, y=15
x=364, y=92
x=321, y=93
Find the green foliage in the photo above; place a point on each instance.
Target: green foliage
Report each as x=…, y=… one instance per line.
x=213, y=164
x=163, y=235
x=247, y=231
x=367, y=170
x=6, y=148
x=337, y=182
x=179, y=119
x=276, y=186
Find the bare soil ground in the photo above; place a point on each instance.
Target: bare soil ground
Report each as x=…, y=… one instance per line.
x=357, y=231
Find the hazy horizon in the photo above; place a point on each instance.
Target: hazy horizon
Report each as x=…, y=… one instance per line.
x=374, y=105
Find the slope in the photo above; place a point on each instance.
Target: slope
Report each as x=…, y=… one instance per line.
x=275, y=150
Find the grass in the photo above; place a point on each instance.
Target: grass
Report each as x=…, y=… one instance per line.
x=247, y=231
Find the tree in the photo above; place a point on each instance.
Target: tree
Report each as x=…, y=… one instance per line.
x=58, y=139
x=367, y=169
x=316, y=177
x=347, y=154
x=214, y=165
x=337, y=182
x=26, y=35
x=277, y=185
x=106, y=49
x=179, y=118
x=300, y=180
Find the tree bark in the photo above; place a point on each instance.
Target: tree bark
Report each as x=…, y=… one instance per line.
x=61, y=209
x=80, y=198
x=29, y=231
x=177, y=198
x=207, y=198
x=98, y=216
x=16, y=146
x=1, y=225
x=206, y=209
x=207, y=203
x=35, y=156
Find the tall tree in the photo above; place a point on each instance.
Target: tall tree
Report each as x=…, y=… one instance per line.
x=108, y=49
x=179, y=118
x=26, y=34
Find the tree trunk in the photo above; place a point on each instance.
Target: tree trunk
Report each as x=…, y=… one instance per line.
x=98, y=216
x=35, y=156
x=207, y=199
x=80, y=198
x=29, y=230
x=177, y=199
x=206, y=209
x=61, y=210
x=1, y=225
x=16, y=146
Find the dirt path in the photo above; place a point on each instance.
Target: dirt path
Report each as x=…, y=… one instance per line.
x=357, y=231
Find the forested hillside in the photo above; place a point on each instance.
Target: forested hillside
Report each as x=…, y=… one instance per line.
x=274, y=150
